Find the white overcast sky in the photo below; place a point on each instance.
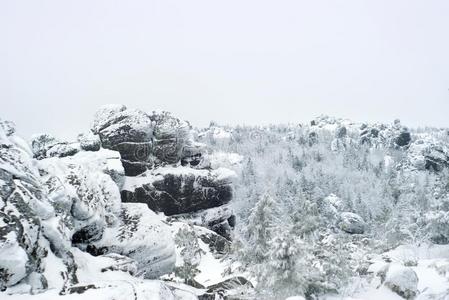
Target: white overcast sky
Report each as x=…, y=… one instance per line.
x=252, y=62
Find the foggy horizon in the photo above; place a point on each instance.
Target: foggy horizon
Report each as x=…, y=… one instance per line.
x=253, y=63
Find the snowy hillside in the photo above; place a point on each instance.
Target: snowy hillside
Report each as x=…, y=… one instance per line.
x=146, y=207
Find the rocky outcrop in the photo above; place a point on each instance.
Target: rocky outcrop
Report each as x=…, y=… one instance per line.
x=351, y=223
x=22, y=208
x=183, y=190
x=381, y=135
x=428, y=154
x=143, y=236
x=45, y=145
x=62, y=215
x=179, y=190
x=51, y=208
x=219, y=219
x=403, y=138
x=143, y=140
x=148, y=144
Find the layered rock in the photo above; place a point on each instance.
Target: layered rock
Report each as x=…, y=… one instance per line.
x=49, y=206
x=141, y=235
x=179, y=190
x=143, y=140
x=148, y=144
x=183, y=190
x=68, y=202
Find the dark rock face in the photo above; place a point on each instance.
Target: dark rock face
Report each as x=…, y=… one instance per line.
x=173, y=193
x=351, y=223
x=217, y=243
x=49, y=206
x=436, y=160
x=129, y=132
x=143, y=140
x=150, y=142
x=192, y=155
x=223, y=229
x=428, y=154
x=88, y=234
x=367, y=134
x=403, y=139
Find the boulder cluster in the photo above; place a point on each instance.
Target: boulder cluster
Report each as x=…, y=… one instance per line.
x=107, y=194
x=423, y=151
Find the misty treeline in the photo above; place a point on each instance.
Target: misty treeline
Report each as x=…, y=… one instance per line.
x=294, y=183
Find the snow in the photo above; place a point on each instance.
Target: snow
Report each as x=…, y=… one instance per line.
x=142, y=235
x=147, y=178
x=224, y=159
x=104, y=113
x=402, y=279
x=108, y=285
x=211, y=268
x=431, y=269
x=13, y=259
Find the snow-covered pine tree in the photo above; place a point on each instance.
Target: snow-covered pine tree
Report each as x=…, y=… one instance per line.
x=283, y=274
x=259, y=231
x=190, y=252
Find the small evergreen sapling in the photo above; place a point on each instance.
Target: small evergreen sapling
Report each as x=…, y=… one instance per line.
x=191, y=254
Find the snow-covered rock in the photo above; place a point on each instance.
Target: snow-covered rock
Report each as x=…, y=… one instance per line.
x=128, y=131
x=89, y=141
x=63, y=150
x=351, y=223
x=184, y=190
x=193, y=155
x=82, y=192
x=402, y=280
x=141, y=235
x=23, y=205
x=14, y=259
x=64, y=230
x=45, y=145
x=180, y=190
x=427, y=153
x=219, y=219
x=171, y=135
x=41, y=143
x=142, y=139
